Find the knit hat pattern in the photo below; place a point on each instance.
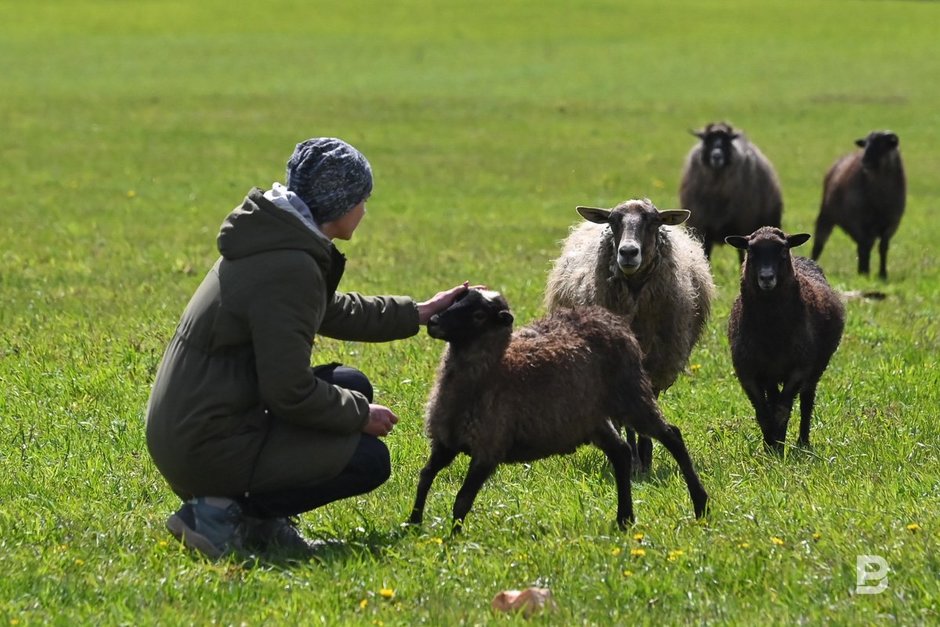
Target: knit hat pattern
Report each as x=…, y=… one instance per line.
x=330, y=176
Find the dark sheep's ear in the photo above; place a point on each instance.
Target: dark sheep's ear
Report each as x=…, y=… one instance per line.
x=699, y=134
x=893, y=140
x=861, y=142
x=738, y=241
x=797, y=240
x=672, y=217
x=734, y=136
x=505, y=316
x=594, y=214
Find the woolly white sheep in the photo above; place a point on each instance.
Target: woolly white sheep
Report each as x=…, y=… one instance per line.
x=637, y=262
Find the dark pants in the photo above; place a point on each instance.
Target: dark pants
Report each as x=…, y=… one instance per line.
x=369, y=467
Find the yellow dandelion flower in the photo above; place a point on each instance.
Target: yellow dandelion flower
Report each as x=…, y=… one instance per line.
x=79, y=561
x=386, y=593
x=628, y=573
x=131, y=193
x=616, y=551
x=658, y=184
x=638, y=537
x=695, y=368
x=637, y=552
x=437, y=540
x=163, y=544
x=913, y=527
x=675, y=554
x=14, y=621
x=744, y=545
x=363, y=603
x=777, y=541
x=817, y=535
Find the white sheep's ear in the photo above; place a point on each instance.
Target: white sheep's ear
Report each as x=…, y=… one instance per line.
x=505, y=316
x=797, y=240
x=738, y=241
x=673, y=217
x=594, y=214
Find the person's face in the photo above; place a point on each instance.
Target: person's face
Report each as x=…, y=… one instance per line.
x=343, y=227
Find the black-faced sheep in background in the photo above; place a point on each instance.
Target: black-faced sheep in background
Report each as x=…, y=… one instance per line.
x=571, y=378
x=729, y=186
x=784, y=327
x=864, y=193
x=631, y=261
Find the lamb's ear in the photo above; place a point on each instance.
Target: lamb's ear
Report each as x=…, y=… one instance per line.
x=861, y=142
x=672, y=217
x=797, y=240
x=738, y=241
x=594, y=214
x=699, y=134
x=505, y=316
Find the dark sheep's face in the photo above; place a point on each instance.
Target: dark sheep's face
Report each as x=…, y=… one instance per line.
x=717, y=145
x=768, y=255
x=473, y=314
x=877, y=145
x=634, y=225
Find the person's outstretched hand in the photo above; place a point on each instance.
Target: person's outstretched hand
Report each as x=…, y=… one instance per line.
x=441, y=301
x=381, y=421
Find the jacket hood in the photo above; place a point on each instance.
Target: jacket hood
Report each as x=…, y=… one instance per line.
x=259, y=226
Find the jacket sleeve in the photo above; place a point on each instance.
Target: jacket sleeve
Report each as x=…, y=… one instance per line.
x=352, y=316
x=282, y=317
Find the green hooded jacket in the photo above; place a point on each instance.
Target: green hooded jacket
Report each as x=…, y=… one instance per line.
x=235, y=407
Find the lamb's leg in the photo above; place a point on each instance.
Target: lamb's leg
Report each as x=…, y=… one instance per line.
x=763, y=409
x=807, y=400
x=441, y=457
x=478, y=472
x=618, y=452
x=644, y=453
x=784, y=406
x=824, y=228
x=864, y=255
x=647, y=420
x=883, y=257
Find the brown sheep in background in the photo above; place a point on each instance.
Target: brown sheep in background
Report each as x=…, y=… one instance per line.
x=864, y=194
x=729, y=186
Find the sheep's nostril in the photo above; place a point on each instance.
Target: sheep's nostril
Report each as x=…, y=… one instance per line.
x=630, y=251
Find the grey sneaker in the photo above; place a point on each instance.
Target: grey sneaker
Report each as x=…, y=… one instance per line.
x=277, y=534
x=212, y=525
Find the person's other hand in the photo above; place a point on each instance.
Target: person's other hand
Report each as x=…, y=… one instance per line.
x=381, y=421
x=442, y=300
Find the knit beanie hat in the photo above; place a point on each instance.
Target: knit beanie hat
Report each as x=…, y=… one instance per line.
x=330, y=176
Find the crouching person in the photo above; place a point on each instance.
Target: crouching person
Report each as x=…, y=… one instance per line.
x=244, y=430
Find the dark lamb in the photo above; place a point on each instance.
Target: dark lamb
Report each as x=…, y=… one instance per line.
x=729, y=186
x=784, y=327
x=864, y=193
x=571, y=378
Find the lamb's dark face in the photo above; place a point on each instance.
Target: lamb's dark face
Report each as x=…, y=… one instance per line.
x=473, y=314
x=878, y=145
x=768, y=255
x=634, y=225
x=717, y=145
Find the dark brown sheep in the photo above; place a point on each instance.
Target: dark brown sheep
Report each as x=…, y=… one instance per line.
x=571, y=378
x=864, y=194
x=729, y=186
x=784, y=327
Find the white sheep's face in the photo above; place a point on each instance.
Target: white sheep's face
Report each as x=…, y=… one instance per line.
x=473, y=314
x=634, y=226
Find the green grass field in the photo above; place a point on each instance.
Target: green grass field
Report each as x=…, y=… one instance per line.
x=129, y=130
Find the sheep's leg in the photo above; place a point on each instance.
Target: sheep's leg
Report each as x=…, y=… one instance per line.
x=649, y=421
x=478, y=472
x=441, y=457
x=883, y=257
x=618, y=452
x=644, y=453
x=807, y=400
x=762, y=409
x=824, y=228
x=784, y=406
x=864, y=255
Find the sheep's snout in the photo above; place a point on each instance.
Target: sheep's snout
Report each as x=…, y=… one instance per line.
x=766, y=279
x=434, y=327
x=629, y=257
x=716, y=158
